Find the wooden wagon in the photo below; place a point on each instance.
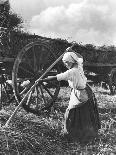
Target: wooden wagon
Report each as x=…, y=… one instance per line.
x=32, y=61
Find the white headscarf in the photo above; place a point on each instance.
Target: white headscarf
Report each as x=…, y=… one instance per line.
x=73, y=57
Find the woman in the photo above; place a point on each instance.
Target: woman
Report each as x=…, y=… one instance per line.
x=81, y=116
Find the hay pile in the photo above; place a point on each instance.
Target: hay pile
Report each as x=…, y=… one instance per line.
x=41, y=135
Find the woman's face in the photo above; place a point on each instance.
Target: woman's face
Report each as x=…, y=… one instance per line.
x=68, y=64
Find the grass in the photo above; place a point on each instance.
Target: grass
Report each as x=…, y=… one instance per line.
x=29, y=134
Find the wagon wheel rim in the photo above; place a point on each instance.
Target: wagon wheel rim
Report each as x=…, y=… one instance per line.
x=31, y=63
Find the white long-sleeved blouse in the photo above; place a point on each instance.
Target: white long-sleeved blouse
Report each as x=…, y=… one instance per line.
x=77, y=81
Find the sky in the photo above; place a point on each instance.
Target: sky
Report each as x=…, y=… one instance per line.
x=83, y=21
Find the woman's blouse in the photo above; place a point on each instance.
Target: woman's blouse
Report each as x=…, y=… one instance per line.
x=77, y=81
x=75, y=77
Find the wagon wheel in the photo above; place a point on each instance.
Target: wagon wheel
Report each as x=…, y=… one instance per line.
x=29, y=65
x=112, y=84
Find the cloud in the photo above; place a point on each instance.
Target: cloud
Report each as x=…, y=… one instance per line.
x=88, y=21
x=28, y=8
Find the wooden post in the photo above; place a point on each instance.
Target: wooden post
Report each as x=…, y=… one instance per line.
x=36, y=82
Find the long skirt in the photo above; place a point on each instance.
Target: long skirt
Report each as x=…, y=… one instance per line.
x=82, y=122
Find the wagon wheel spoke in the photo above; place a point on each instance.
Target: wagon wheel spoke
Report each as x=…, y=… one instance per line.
x=42, y=94
x=37, y=99
x=47, y=90
x=30, y=64
x=34, y=61
x=29, y=98
x=27, y=61
x=40, y=61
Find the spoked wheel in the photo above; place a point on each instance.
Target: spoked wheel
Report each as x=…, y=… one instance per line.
x=30, y=64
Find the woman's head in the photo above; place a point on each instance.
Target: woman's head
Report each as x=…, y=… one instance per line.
x=70, y=58
x=68, y=64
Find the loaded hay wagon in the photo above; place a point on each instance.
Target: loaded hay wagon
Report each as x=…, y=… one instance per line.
x=40, y=59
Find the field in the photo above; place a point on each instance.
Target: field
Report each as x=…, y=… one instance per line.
x=29, y=134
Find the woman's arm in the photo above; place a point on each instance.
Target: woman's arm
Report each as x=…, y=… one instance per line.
x=49, y=79
x=59, y=77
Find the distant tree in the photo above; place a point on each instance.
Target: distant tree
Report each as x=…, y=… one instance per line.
x=9, y=22
x=8, y=19
x=90, y=46
x=111, y=48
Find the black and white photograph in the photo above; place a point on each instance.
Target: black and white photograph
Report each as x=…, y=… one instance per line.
x=57, y=77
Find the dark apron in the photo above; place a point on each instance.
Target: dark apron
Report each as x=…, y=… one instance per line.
x=82, y=122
